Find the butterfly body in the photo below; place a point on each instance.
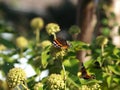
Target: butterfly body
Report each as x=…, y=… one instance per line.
x=60, y=43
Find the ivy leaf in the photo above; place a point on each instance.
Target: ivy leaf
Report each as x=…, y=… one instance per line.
x=73, y=80
x=78, y=45
x=116, y=51
x=71, y=65
x=99, y=59
x=90, y=81
x=109, y=80
x=117, y=80
x=115, y=69
x=44, y=57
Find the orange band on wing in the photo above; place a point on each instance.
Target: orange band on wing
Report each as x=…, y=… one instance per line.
x=58, y=43
x=63, y=46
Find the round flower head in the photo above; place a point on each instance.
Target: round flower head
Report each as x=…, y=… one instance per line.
x=2, y=47
x=57, y=52
x=21, y=42
x=52, y=28
x=84, y=87
x=45, y=43
x=96, y=86
x=56, y=82
x=38, y=86
x=102, y=40
x=37, y=23
x=90, y=87
x=74, y=29
x=15, y=77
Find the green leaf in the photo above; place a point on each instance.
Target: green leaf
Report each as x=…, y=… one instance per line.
x=116, y=79
x=74, y=80
x=90, y=81
x=71, y=65
x=116, y=51
x=44, y=57
x=115, y=69
x=109, y=80
x=99, y=59
x=88, y=63
x=41, y=88
x=78, y=45
x=70, y=62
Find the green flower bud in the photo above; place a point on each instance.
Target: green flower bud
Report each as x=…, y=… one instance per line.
x=52, y=28
x=102, y=40
x=2, y=47
x=55, y=82
x=21, y=42
x=37, y=23
x=15, y=77
x=45, y=43
x=38, y=86
x=74, y=29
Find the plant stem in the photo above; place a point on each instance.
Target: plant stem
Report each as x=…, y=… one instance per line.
x=21, y=52
x=37, y=36
x=54, y=35
x=102, y=49
x=25, y=87
x=102, y=54
x=64, y=72
x=18, y=88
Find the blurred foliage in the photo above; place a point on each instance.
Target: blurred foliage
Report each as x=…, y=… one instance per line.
x=104, y=64
x=104, y=60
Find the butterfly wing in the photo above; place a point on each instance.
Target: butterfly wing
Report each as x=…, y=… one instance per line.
x=60, y=43
x=85, y=75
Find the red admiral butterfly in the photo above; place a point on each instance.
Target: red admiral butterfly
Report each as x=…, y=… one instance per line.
x=85, y=75
x=61, y=43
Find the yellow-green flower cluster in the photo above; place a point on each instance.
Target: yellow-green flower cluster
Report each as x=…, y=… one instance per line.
x=45, y=43
x=55, y=82
x=57, y=52
x=37, y=23
x=15, y=77
x=21, y=42
x=60, y=53
x=102, y=40
x=96, y=87
x=91, y=87
x=2, y=47
x=52, y=28
x=38, y=86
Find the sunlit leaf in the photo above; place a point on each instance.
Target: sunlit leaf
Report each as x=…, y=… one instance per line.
x=44, y=57
x=74, y=80
x=78, y=45
x=90, y=81
x=109, y=80
x=71, y=65
x=115, y=69
x=117, y=80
